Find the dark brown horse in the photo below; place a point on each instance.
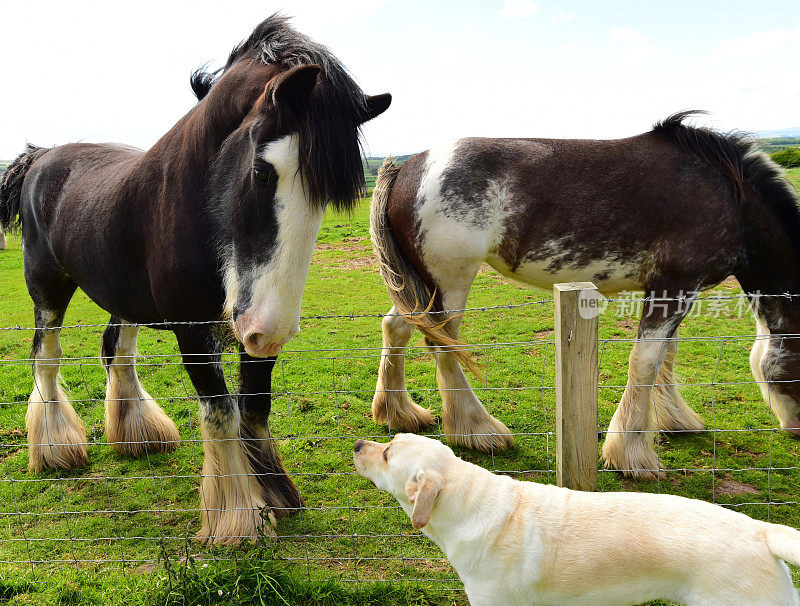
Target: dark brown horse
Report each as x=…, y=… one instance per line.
x=670, y=212
x=221, y=214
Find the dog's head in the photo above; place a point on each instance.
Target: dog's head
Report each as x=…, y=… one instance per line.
x=412, y=468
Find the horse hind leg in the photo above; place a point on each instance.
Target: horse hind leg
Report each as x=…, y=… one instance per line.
x=56, y=435
x=135, y=424
x=392, y=404
x=466, y=421
x=672, y=411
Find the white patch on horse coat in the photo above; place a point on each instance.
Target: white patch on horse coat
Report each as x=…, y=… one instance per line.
x=277, y=288
x=453, y=247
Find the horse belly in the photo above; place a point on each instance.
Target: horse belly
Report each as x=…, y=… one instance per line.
x=609, y=276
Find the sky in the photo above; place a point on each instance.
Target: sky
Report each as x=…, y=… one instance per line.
x=114, y=71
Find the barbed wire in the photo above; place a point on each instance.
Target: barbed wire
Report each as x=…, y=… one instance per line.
x=346, y=528
x=169, y=324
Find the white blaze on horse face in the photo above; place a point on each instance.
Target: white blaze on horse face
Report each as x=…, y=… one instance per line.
x=277, y=286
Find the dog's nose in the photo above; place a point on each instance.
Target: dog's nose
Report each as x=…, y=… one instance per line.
x=359, y=445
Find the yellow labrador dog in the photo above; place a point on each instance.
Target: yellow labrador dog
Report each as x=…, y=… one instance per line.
x=516, y=543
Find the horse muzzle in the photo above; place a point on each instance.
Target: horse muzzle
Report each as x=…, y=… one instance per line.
x=262, y=340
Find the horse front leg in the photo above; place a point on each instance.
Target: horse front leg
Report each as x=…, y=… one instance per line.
x=629, y=443
x=255, y=403
x=672, y=411
x=231, y=498
x=392, y=404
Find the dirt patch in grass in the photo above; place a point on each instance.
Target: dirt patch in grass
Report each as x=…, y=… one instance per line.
x=357, y=251
x=729, y=487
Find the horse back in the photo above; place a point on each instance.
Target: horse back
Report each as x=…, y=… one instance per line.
x=546, y=210
x=82, y=221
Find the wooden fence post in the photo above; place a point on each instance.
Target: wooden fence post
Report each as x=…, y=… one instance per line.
x=576, y=311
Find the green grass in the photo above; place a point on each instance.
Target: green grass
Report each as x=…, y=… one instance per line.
x=325, y=384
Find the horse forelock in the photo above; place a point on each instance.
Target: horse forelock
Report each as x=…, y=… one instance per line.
x=329, y=130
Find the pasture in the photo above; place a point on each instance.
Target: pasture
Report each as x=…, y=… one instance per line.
x=69, y=523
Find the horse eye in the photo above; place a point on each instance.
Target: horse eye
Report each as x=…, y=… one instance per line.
x=263, y=174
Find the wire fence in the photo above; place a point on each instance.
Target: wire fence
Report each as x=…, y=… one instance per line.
x=121, y=511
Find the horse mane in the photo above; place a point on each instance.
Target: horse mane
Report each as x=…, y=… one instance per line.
x=329, y=131
x=737, y=156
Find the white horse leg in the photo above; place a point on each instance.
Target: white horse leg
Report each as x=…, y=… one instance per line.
x=629, y=442
x=672, y=411
x=56, y=436
x=466, y=421
x=392, y=405
x=135, y=423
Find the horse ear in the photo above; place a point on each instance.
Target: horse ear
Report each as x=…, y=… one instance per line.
x=293, y=87
x=376, y=105
x=422, y=491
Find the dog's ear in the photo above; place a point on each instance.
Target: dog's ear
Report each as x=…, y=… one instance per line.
x=422, y=491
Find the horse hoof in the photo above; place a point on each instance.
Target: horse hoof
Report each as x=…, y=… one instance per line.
x=489, y=437
x=400, y=413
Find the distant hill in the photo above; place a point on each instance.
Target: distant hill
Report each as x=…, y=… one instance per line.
x=792, y=131
x=774, y=144
x=373, y=163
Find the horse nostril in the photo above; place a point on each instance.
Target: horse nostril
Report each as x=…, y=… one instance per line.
x=359, y=445
x=254, y=340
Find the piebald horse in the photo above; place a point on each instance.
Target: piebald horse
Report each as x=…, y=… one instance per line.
x=670, y=212
x=219, y=218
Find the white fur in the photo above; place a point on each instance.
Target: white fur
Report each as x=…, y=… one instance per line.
x=135, y=423
x=629, y=442
x=784, y=407
x=232, y=505
x=277, y=287
x=56, y=436
x=521, y=543
x=392, y=404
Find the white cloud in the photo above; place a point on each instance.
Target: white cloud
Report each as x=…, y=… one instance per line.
x=758, y=45
x=563, y=18
x=519, y=8
x=634, y=47
x=626, y=35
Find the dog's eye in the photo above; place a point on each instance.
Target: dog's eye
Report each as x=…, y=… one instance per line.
x=385, y=450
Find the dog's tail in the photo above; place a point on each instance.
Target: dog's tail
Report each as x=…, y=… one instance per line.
x=784, y=542
x=419, y=303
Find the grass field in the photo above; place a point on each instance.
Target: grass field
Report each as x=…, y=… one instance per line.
x=71, y=523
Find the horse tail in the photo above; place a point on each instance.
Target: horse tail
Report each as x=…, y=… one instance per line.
x=11, y=186
x=737, y=156
x=784, y=542
x=419, y=303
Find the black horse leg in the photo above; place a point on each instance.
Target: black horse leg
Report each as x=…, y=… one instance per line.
x=255, y=401
x=231, y=497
